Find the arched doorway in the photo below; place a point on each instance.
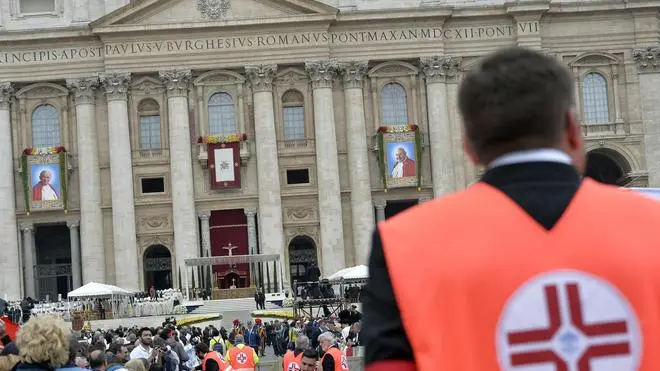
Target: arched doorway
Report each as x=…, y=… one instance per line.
x=231, y=281
x=303, y=263
x=157, y=268
x=607, y=166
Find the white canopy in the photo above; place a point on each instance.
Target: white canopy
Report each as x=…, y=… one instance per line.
x=97, y=290
x=360, y=271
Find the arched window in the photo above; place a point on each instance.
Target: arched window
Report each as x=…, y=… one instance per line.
x=222, y=114
x=393, y=105
x=595, y=100
x=45, y=126
x=149, y=122
x=293, y=115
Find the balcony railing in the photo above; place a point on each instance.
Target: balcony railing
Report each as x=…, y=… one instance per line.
x=296, y=146
x=612, y=129
x=151, y=154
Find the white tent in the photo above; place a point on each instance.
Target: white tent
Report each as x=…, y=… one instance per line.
x=97, y=290
x=360, y=271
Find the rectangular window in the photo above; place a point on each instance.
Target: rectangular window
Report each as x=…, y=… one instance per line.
x=150, y=132
x=294, y=123
x=36, y=6
x=153, y=185
x=297, y=176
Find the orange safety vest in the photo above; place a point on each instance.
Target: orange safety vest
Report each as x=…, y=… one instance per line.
x=292, y=362
x=242, y=359
x=501, y=292
x=222, y=364
x=341, y=364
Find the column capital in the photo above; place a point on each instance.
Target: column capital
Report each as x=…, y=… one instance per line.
x=176, y=82
x=6, y=91
x=73, y=224
x=354, y=73
x=322, y=73
x=647, y=59
x=116, y=85
x=83, y=89
x=380, y=204
x=440, y=68
x=204, y=215
x=423, y=199
x=250, y=212
x=261, y=76
x=27, y=227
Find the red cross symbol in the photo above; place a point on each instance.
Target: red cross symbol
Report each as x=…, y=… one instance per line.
x=568, y=340
x=242, y=358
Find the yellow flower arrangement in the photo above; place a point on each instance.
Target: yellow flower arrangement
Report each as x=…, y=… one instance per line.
x=188, y=321
x=280, y=314
x=216, y=139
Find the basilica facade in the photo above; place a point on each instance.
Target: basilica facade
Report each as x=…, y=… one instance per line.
x=135, y=135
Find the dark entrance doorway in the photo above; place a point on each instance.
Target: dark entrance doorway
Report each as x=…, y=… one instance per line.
x=53, y=252
x=157, y=268
x=607, y=166
x=303, y=263
x=396, y=206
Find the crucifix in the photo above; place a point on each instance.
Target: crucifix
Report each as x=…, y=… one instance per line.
x=230, y=252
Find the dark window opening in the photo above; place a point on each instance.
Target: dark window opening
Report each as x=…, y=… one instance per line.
x=298, y=176
x=153, y=185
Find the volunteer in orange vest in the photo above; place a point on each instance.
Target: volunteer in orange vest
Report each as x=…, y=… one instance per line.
x=532, y=267
x=293, y=358
x=242, y=357
x=211, y=360
x=333, y=359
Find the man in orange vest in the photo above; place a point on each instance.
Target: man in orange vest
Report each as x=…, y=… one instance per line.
x=242, y=357
x=333, y=359
x=532, y=267
x=293, y=358
x=211, y=360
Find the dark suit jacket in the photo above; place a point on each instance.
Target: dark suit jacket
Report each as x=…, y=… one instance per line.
x=542, y=189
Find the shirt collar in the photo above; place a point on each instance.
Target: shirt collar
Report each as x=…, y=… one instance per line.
x=532, y=155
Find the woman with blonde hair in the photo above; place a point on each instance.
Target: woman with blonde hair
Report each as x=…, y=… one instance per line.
x=43, y=344
x=135, y=365
x=8, y=362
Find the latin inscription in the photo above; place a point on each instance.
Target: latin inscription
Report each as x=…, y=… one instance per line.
x=147, y=48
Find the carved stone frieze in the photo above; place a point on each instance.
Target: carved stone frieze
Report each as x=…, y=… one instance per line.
x=6, y=92
x=146, y=241
x=353, y=73
x=214, y=9
x=261, y=76
x=648, y=60
x=298, y=213
x=291, y=77
x=153, y=222
x=176, y=82
x=116, y=85
x=322, y=73
x=309, y=231
x=84, y=89
x=147, y=86
x=440, y=68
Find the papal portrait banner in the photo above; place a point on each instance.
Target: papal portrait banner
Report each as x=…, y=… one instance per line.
x=400, y=156
x=45, y=178
x=224, y=161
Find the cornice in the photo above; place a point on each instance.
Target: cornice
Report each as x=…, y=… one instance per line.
x=73, y=32
x=396, y=14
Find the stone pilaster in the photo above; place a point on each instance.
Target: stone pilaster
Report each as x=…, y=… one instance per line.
x=186, y=243
x=271, y=232
x=251, y=214
x=29, y=262
x=91, y=216
x=76, y=266
x=648, y=66
x=380, y=209
x=327, y=166
x=204, y=218
x=121, y=181
x=438, y=71
x=362, y=211
x=10, y=265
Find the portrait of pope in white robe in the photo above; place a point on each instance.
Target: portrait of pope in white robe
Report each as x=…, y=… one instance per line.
x=44, y=190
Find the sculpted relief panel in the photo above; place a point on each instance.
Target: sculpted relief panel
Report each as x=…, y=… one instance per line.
x=153, y=222
x=300, y=214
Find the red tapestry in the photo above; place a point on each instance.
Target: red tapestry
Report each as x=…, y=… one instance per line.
x=229, y=235
x=225, y=165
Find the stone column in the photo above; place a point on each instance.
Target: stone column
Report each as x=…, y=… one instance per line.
x=121, y=181
x=271, y=232
x=204, y=218
x=437, y=71
x=10, y=265
x=29, y=262
x=186, y=243
x=91, y=216
x=362, y=210
x=251, y=214
x=380, y=209
x=327, y=166
x=648, y=67
x=76, y=266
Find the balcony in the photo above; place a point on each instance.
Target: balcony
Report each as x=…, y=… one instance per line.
x=612, y=129
x=203, y=155
x=151, y=155
x=296, y=146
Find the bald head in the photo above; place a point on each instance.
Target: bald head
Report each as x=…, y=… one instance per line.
x=97, y=359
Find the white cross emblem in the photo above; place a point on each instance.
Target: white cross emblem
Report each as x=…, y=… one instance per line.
x=568, y=321
x=242, y=358
x=293, y=366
